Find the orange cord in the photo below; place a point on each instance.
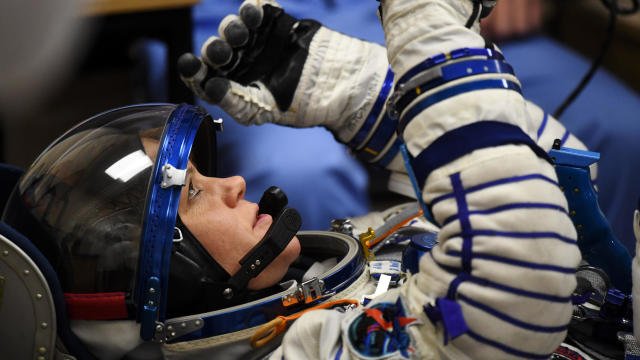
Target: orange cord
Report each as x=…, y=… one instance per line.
x=278, y=325
x=401, y=224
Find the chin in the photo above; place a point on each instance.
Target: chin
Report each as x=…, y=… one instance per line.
x=278, y=268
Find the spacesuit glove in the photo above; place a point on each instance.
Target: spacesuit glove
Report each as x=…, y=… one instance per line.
x=267, y=66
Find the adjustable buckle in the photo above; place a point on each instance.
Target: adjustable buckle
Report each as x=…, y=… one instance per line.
x=307, y=292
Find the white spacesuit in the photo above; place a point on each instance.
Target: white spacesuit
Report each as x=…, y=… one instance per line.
x=499, y=283
x=437, y=107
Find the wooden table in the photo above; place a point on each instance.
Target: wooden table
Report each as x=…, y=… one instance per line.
x=109, y=7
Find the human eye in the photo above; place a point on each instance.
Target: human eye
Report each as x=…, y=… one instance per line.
x=193, y=192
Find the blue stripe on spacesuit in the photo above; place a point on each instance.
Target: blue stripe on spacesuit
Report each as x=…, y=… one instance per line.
x=453, y=72
x=534, y=234
x=543, y=125
x=339, y=353
x=379, y=139
x=390, y=154
x=520, y=263
x=511, y=320
x=497, y=182
x=465, y=139
x=385, y=90
x=442, y=58
x=512, y=206
x=564, y=137
x=448, y=93
x=505, y=348
x=465, y=224
x=483, y=282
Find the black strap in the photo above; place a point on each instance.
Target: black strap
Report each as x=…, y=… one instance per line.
x=474, y=14
x=282, y=230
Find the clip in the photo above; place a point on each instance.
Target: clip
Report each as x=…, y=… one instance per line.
x=364, y=239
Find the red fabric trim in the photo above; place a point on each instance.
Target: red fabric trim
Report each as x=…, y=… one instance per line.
x=96, y=306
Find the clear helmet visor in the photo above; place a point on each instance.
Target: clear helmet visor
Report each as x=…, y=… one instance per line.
x=95, y=202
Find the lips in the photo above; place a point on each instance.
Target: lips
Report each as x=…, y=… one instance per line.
x=261, y=219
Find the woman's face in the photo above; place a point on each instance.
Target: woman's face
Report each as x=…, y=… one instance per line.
x=228, y=226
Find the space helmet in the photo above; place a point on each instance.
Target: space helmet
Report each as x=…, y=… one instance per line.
x=101, y=204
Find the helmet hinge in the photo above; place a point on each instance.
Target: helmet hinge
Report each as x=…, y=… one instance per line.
x=172, y=176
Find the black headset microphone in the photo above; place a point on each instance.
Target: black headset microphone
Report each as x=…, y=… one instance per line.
x=286, y=223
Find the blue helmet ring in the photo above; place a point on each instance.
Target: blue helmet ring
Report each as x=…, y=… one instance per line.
x=169, y=175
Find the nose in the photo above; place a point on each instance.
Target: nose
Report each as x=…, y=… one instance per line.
x=233, y=189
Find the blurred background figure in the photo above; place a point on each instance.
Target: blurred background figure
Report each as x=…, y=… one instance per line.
x=41, y=43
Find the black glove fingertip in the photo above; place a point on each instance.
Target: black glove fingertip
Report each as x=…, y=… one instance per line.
x=236, y=34
x=217, y=88
x=251, y=16
x=188, y=65
x=219, y=52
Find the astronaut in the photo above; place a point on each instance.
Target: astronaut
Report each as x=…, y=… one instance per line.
x=457, y=108
x=149, y=245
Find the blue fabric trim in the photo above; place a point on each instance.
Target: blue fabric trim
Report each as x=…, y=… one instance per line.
x=465, y=224
x=506, y=288
x=339, y=353
x=511, y=320
x=445, y=94
x=385, y=90
x=496, y=183
x=455, y=283
x=442, y=58
x=391, y=154
x=520, y=263
x=426, y=212
x=511, y=206
x=450, y=314
x=450, y=269
x=543, y=125
x=453, y=72
x=379, y=140
x=465, y=139
x=520, y=235
x=527, y=293
x=505, y=348
x=564, y=137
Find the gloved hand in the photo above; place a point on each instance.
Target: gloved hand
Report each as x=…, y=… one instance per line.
x=266, y=66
